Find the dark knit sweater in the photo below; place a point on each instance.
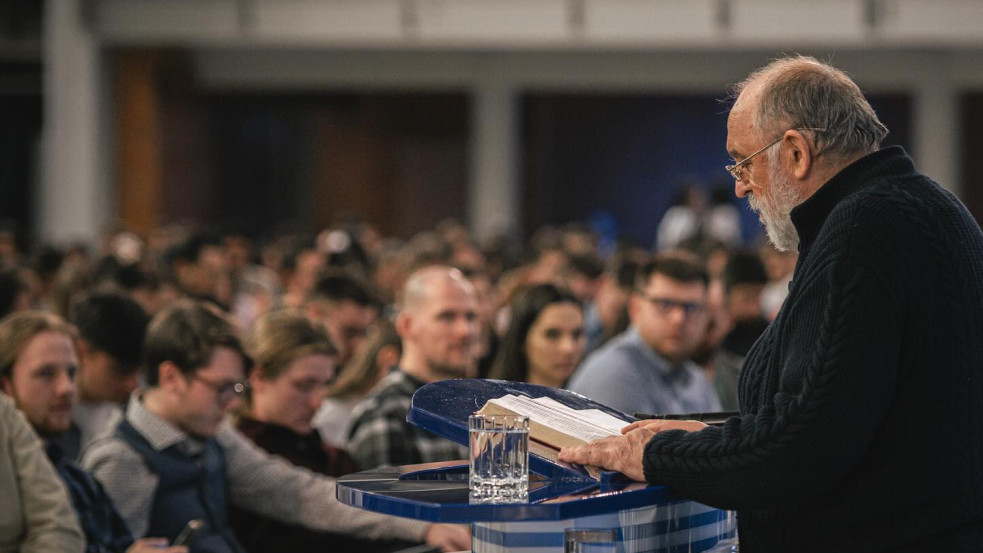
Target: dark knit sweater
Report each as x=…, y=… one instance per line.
x=862, y=404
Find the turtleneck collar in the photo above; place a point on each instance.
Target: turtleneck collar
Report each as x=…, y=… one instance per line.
x=809, y=216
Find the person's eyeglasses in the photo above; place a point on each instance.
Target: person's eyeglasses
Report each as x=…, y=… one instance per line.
x=665, y=306
x=737, y=170
x=224, y=391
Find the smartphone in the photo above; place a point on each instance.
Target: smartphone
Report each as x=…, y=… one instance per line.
x=189, y=532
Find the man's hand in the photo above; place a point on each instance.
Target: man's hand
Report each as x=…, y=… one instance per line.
x=659, y=425
x=624, y=453
x=620, y=453
x=155, y=545
x=450, y=537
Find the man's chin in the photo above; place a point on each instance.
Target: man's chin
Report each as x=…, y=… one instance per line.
x=448, y=371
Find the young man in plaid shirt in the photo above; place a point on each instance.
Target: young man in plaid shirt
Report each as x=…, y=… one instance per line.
x=438, y=322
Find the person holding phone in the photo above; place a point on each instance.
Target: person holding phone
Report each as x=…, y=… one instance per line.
x=174, y=457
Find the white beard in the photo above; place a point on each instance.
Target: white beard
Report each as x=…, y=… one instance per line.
x=775, y=209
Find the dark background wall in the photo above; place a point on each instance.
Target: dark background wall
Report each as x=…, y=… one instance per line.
x=628, y=154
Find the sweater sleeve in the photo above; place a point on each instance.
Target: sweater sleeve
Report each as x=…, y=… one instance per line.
x=270, y=486
x=838, y=363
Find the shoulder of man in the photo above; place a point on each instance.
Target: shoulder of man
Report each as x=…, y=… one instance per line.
x=390, y=394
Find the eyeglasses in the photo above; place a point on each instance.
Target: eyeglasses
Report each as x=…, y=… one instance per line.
x=665, y=306
x=737, y=170
x=224, y=391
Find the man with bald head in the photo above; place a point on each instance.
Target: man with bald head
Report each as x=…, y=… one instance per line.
x=861, y=406
x=438, y=323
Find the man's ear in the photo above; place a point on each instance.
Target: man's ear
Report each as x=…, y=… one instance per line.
x=404, y=324
x=634, y=304
x=170, y=377
x=387, y=357
x=83, y=348
x=256, y=380
x=799, y=153
x=7, y=386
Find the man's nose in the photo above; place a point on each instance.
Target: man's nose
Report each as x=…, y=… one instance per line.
x=66, y=384
x=232, y=404
x=677, y=315
x=741, y=188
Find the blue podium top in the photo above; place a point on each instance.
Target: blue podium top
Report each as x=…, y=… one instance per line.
x=444, y=407
x=438, y=492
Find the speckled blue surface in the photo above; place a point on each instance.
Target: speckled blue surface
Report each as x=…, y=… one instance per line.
x=438, y=492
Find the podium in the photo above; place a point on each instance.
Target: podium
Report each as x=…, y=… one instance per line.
x=646, y=518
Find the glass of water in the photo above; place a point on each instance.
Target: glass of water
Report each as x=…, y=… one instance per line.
x=499, y=469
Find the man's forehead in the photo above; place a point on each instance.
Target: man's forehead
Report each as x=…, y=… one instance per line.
x=662, y=283
x=225, y=362
x=738, y=131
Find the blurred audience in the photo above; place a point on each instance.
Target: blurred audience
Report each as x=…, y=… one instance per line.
x=386, y=316
x=375, y=357
x=606, y=316
x=39, y=349
x=174, y=457
x=345, y=307
x=110, y=337
x=744, y=280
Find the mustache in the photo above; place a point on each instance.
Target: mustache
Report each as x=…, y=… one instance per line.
x=753, y=203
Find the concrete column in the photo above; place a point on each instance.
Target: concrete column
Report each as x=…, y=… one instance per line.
x=72, y=202
x=936, y=131
x=494, y=202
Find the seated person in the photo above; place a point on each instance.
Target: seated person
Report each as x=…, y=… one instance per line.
x=438, y=322
x=648, y=368
x=41, y=381
x=37, y=516
x=110, y=330
x=545, y=340
x=173, y=457
x=374, y=359
x=295, y=361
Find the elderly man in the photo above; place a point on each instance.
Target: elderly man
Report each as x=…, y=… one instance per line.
x=438, y=322
x=862, y=404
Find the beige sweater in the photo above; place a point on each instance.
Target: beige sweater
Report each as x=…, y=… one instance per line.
x=35, y=513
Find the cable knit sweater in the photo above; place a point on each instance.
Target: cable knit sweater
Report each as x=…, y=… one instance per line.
x=862, y=404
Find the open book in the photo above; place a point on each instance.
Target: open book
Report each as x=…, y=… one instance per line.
x=553, y=425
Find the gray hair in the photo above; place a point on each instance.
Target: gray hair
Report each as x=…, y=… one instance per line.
x=800, y=92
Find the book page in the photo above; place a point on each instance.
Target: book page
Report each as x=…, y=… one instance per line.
x=594, y=417
x=586, y=425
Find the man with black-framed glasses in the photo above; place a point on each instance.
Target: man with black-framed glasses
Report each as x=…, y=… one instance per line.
x=174, y=457
x=647, y=368
x=861, y=405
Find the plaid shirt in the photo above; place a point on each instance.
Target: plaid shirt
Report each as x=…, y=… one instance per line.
x=105, y=530
x=380, y=436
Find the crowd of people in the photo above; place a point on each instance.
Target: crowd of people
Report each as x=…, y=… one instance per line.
x=164, y=373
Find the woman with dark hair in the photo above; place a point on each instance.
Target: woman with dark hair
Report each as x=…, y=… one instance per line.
x=545, y=340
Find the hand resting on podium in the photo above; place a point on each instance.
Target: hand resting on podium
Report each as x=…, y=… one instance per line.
x=624, y=453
